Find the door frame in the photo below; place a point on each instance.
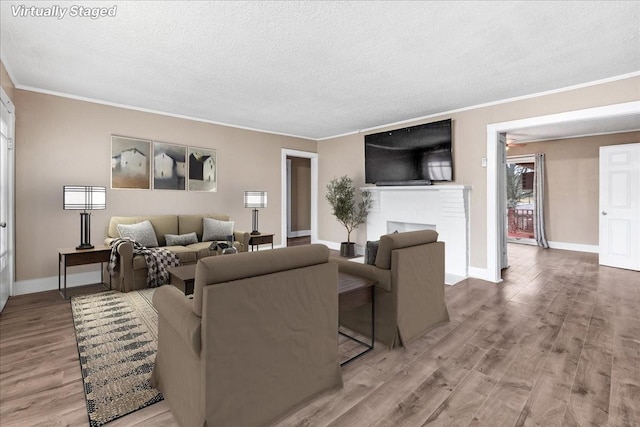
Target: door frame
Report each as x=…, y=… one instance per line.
x=6, y=102
x=314, y=192
x=529, y=158
x=495, y=152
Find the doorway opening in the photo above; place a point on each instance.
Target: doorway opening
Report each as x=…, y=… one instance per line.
x=520, y=173
x=298, y=201
x=309, y=192
x=496, y=206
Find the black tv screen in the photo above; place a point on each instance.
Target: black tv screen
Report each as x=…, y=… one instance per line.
x=413, y=155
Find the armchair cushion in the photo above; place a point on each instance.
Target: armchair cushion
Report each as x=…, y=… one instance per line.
x=214, y=229
x=141, y=232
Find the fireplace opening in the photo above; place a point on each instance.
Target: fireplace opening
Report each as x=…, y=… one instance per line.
x=400, y=227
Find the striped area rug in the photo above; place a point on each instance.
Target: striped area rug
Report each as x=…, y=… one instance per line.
x=117, y=342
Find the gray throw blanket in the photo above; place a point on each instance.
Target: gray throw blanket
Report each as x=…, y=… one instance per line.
x=158, y=261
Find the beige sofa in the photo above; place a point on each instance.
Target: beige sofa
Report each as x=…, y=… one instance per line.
x=258, y=339
x=409, y=271
x=132, y=270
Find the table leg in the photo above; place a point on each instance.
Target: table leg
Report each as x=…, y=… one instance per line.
x=64, y=295
x=59, y=272
x=368, y=347
x=373, y=316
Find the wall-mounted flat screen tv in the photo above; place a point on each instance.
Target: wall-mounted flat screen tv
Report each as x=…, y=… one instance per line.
x=409, y=156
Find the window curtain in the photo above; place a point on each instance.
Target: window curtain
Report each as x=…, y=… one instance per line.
x=538, y=194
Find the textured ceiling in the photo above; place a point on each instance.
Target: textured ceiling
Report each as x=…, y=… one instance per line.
x=318, y=69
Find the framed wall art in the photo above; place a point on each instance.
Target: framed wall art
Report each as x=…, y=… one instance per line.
x=202, y=169
x=169, y=166
x=130, y=163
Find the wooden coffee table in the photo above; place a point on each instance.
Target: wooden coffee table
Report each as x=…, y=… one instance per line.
x=355, y=291
x=183, y=277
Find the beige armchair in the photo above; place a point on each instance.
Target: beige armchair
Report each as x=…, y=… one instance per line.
x=258, y=338
x=409, y=270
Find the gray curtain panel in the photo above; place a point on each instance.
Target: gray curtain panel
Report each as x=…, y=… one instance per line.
x=538, y=194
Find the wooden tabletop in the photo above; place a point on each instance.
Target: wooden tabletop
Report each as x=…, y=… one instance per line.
x=97, y=248
x=348, y=282
x=184, y=272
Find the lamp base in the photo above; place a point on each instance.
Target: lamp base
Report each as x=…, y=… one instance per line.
x=254, y=222
x=85, y=231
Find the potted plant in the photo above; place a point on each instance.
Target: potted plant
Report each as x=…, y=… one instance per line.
x=341, y=197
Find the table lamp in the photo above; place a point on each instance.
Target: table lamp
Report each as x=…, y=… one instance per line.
x=82, y=197
x=255, y=200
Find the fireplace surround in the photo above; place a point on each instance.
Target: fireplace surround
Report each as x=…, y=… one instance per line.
x=444, y=208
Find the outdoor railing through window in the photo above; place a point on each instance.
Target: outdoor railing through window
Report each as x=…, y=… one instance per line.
x=520, y=223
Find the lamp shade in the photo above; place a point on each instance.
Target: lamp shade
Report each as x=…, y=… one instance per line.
x=83, y=197
x=255, y=199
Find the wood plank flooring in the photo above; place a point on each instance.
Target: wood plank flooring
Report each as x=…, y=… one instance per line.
x=557, y=343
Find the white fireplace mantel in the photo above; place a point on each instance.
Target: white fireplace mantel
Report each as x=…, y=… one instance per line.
x=444, y=206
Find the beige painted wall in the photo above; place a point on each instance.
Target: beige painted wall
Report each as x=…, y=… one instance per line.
x=300, y=194
x=63, y=141
x=345, y=155
x=6, y=83
x=572, y=184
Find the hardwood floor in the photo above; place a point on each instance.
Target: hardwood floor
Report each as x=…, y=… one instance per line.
x=556, y=343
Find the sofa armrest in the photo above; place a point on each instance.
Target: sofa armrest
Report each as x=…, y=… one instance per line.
x=177, y=310
x=243, y=237
x=125, y=266
x=380, y=275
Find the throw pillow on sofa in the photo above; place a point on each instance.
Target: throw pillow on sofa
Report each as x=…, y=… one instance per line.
x=181, y=239
x=214, y=229
x=142, y=232
x=371, y=251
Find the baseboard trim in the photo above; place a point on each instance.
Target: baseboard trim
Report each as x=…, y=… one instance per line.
x=451, y=279
x=44, y=284
x=577, y=247
x=299, y=233
x=480, y=273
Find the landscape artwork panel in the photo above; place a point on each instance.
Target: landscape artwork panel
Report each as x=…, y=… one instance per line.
x=130, y=163
x=202, y=169
x=169, y=166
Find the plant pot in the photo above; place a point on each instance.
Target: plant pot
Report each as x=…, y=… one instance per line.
x=348, y=249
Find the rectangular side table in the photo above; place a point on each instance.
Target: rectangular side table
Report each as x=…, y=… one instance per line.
x=354, y=291
x=261, y=239
x=74, y=257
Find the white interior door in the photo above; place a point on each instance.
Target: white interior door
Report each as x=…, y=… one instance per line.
x=7, y=120
x=620, y=206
